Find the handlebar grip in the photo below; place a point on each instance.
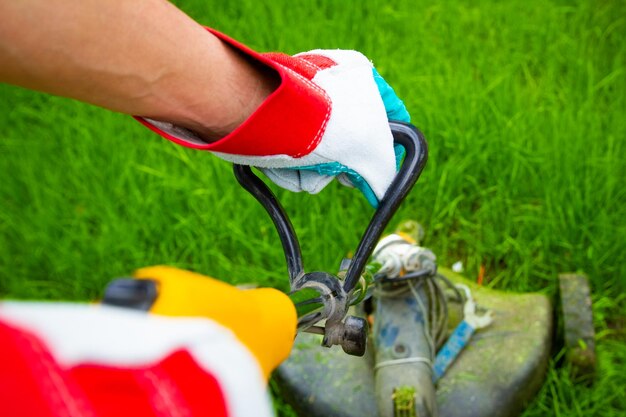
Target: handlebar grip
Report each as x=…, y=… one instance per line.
x=263, y=319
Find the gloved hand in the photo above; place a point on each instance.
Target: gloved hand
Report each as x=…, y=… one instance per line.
x=328, y=118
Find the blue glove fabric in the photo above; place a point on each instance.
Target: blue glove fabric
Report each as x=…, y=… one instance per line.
x=396, y=110
x=335, y=168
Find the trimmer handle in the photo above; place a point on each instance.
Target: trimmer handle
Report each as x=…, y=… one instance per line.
x=416, y=150
x=415, y=146
x=334, y=295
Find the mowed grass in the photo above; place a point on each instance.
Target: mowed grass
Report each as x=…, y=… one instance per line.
x=523, y=105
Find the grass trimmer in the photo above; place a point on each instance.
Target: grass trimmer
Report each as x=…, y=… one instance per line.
x=439, y=344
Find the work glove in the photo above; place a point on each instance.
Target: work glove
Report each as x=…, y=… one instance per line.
x=328, y=118
x=212, y=358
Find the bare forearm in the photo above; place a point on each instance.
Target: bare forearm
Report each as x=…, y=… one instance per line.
x=141, y=57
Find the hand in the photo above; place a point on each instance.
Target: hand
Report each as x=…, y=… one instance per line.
x=328, y=118
x=357, y=142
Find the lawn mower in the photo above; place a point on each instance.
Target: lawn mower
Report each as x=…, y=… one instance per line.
x=439, y=344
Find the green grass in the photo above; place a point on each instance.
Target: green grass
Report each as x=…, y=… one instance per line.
x=524, y=107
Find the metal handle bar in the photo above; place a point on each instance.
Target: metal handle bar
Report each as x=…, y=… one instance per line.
x=260, y=191
x=416, y=154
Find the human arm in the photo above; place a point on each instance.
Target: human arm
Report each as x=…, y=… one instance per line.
x=141, y=57
x=301, y=122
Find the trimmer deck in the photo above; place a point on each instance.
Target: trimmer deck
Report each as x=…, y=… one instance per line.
x=498, y=354
x=495, y=375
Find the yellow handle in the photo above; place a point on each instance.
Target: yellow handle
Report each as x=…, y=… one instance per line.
x=263, y=319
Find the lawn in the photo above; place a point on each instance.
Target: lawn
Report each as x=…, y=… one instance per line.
x=523, y=104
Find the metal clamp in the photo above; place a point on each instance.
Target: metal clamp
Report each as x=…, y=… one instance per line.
x=336, y=297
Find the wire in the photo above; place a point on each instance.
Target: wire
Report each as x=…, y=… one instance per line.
x=403, y=265
x=433, y=305
x=427, y=321
x=392, y=362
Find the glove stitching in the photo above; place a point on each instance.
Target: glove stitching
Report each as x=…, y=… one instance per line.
x=309, y=64
x=165, y=397
x=318, y=136
x=57, y=390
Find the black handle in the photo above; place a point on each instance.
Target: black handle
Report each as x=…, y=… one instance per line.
x=416, y=149
x=416, y=154
x=268, y=200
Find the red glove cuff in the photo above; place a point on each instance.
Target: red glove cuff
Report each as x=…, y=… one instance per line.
x=291, y=121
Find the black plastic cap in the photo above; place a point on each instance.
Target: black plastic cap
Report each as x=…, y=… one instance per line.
x=138, y=294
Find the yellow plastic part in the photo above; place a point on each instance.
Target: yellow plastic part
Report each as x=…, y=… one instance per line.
x=263, y=319
x=407, y=237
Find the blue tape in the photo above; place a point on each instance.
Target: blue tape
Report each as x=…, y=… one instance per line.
x=453, y=347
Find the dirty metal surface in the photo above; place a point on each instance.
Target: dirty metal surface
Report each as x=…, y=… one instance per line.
x=496, y=375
